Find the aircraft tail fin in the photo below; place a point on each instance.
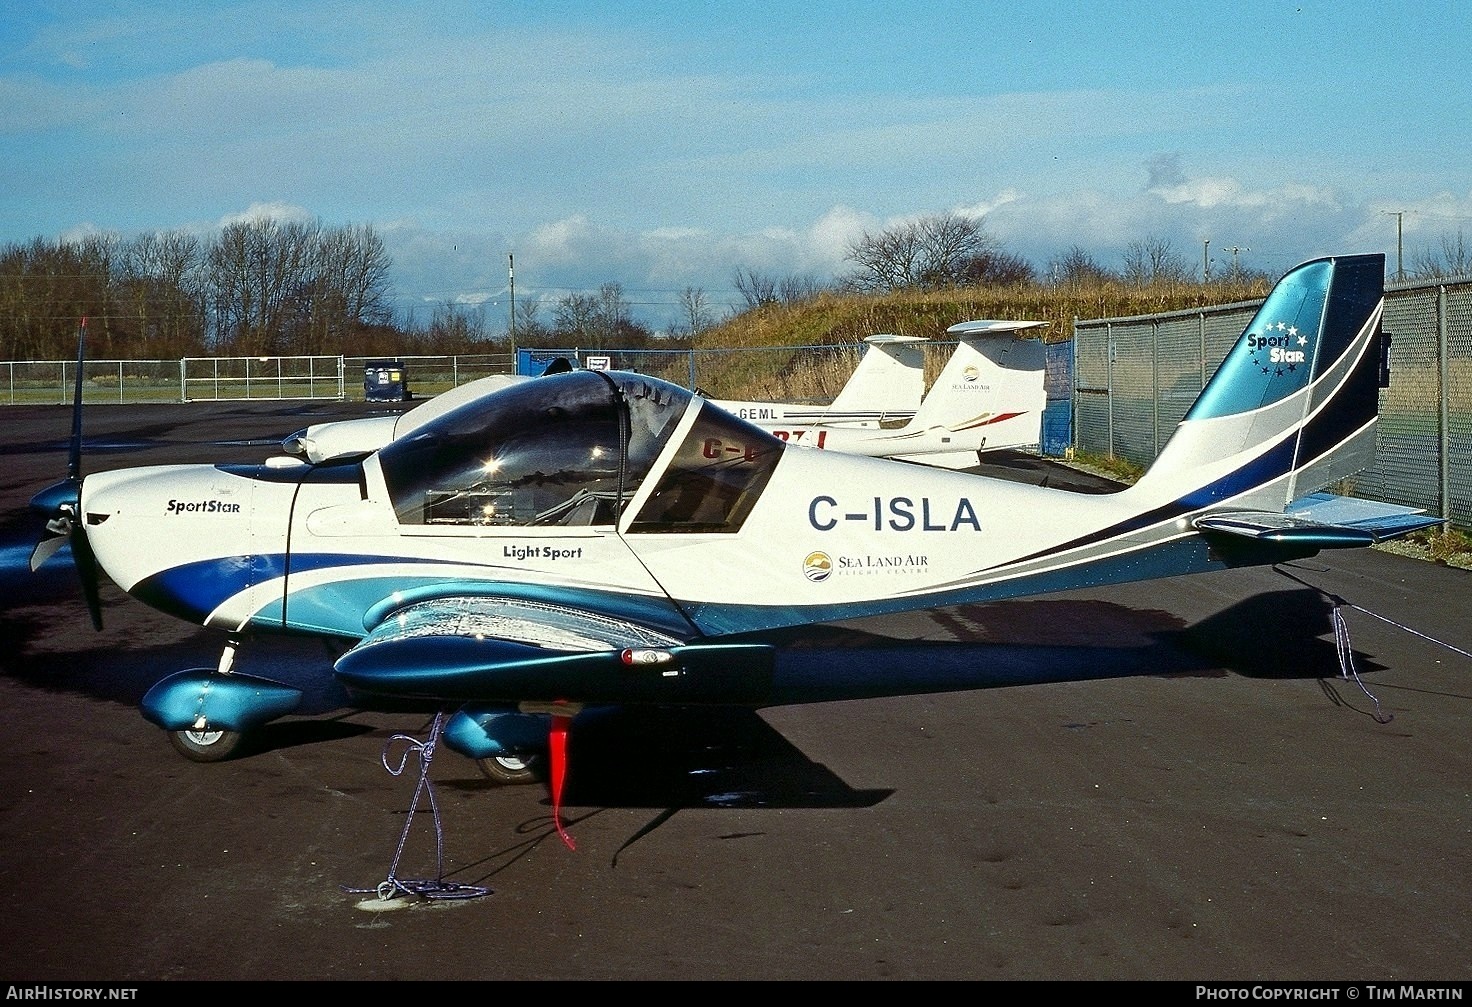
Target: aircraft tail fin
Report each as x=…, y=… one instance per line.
x=1292, y=409
x=994, y=379
x=890, y=377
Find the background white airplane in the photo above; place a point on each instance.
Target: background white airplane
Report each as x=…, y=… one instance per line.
x=990, y=395
x=887, y=384
x=606, y=538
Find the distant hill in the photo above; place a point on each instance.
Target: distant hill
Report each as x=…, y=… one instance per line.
x=845, y=319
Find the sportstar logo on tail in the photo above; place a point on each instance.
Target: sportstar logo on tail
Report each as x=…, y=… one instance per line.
x=1280, y=352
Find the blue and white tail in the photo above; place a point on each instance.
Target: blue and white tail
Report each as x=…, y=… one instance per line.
x=1292, y=409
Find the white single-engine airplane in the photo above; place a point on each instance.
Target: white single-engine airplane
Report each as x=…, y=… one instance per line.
x=990, y=395
x=606, y=538
x=887, y=385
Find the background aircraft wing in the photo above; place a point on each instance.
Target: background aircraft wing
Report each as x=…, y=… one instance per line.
x=511, y=650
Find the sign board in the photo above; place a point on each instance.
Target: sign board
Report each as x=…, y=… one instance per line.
x=598, y=363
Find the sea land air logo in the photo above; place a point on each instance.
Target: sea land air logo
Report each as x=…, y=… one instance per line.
x=817, y=566
x=970, y=374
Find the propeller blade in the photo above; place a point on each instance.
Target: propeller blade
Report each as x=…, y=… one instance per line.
x=44, y=550
x=86, y=563
x=61, y=505
x=74, y=455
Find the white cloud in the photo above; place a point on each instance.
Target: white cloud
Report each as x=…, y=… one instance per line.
x=286, y=213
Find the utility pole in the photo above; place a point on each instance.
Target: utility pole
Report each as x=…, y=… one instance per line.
x=1205, y=262
x=511, y=328
x=1400, y=220
x=1234, y=250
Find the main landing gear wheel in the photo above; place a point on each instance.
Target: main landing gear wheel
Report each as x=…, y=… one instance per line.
x=512, y=769
x=207, y=745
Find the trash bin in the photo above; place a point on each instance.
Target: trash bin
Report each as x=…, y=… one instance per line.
x=386, y=381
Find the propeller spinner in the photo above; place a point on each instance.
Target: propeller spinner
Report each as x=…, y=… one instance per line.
x=61, y=505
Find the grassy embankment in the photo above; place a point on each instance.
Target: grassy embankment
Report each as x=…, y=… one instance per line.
x=845, y=319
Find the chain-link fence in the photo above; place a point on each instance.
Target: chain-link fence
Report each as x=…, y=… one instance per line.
x=1135, y=378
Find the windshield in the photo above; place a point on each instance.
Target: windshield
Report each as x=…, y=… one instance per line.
x=548, y=451
x=714, y=479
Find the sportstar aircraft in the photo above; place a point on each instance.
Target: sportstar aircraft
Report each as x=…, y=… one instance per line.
x=606, y=538
x=888, y=384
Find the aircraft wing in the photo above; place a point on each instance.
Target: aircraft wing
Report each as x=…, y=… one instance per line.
x=502, y=649
x=1322, y=520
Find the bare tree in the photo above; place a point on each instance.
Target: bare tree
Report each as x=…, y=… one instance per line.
x=346, y=288
x=757, y=289
x=162, y=281
x=997, y=268
x=1453, y=260
x=530, y=329
x=795, y=289
x=455, y=327
x=889, y=260
x=576, y=317
x=613, y=314
x=257, y=271
x=1076, y=267
x=931, y=253
x=695, y=312
x=1152, y=260
x=46, y=287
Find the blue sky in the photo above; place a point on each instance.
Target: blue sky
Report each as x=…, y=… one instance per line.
x=664, y=146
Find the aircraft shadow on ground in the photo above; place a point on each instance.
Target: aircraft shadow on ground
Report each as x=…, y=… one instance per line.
x=1280, y=634
x=705, y=757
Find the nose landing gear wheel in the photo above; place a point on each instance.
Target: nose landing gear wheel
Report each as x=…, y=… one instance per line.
x=206, y=745
x=512, y=769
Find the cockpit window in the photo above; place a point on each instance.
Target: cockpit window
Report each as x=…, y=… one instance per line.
x=715, y=478
x=542, y=452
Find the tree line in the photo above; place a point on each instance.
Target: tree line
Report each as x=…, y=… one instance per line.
x=270, y=287
x=260, y=288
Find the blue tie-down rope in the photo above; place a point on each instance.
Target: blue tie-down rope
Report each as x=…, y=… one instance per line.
x=438, y=888
x=1346, y=652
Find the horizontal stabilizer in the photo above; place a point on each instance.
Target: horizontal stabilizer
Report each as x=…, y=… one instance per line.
x=1322, y=520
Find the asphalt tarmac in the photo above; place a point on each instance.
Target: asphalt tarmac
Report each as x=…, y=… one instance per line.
x=1182, y=782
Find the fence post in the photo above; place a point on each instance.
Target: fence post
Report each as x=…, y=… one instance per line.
x=1201, y=347
x=1109, y=379
x=1073, y=394
x=1444, y=490
x=1155, y=388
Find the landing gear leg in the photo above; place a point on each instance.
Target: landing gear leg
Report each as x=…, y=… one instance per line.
x=202, y=743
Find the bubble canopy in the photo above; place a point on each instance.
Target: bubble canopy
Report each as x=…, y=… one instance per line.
x=576, y=449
